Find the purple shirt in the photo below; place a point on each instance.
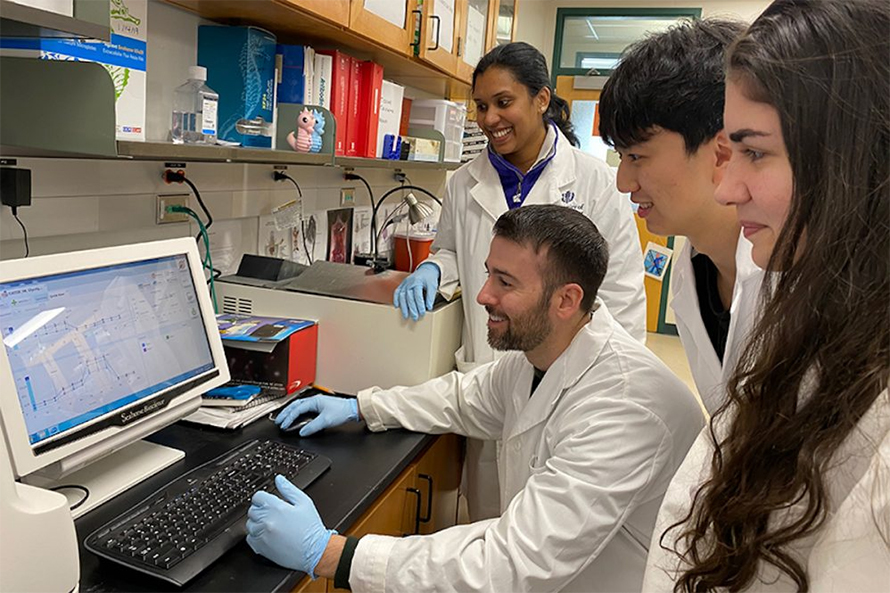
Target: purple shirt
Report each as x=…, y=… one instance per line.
x=517, y=185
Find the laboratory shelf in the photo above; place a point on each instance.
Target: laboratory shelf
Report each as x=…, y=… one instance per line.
x=167, y=151
x=196, y=153
x=17, y=20
x=358, y=162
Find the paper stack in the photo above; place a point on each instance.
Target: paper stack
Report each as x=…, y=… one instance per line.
x=214, y=412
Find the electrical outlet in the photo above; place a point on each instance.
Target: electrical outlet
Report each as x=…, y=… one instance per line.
x=164, y=217
x=347, y=196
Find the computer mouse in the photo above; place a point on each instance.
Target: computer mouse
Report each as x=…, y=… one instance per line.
x=301, y=421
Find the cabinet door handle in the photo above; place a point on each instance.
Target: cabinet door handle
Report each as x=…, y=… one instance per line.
x=438, y=27
x=416, y=44
x=416, y=493
x=459, y=39
x=429, y=500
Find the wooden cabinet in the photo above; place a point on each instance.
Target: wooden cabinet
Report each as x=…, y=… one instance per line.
x=437, y=479
x=377, y=28
x=394, y=513
x=503, y=22
x=474, y=34
x=440, y=20
x=307, y=585
x=423, y=499
x=350, y=26
x=336, y=11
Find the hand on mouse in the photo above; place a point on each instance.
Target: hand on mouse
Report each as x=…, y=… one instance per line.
x=332, y=411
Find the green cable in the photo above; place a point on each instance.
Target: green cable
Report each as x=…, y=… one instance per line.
x=207, y=263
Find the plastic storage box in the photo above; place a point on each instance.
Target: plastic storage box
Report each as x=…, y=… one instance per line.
x=444, y=116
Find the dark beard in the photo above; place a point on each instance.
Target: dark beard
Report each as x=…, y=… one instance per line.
x=526, y=332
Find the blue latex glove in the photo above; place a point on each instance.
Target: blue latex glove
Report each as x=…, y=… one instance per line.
x=417, y=293
x=288, y=532
x=332, y=411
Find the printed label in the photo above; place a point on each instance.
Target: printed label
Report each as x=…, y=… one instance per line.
x=208, y=123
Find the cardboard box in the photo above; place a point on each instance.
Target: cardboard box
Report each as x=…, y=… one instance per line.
x=240, y=64
x=273, y=352
x=124, y=57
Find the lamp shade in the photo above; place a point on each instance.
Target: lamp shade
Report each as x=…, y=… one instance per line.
x=417, y=210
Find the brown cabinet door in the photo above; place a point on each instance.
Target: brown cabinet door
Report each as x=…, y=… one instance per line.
x=438, y=478
x=473, y=40
x=432, y=481
x=392, y=514
x=503, y=22
x=336, y=11
x=307, y=585
x=375, y=27
x=438, y=33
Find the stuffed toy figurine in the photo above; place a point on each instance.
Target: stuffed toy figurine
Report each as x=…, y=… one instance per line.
x=302, y=140
x=317, y=131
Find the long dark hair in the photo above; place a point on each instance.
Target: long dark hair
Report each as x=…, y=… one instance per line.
x=818, y=359
x=529, y=68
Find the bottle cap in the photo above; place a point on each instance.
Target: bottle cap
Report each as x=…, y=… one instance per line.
x=197, y=73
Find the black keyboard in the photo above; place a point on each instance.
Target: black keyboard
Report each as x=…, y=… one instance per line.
x=185, y=526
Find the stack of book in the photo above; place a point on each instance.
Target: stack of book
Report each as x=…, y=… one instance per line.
x=237, y=404
x=304, y=76
x=366, y=107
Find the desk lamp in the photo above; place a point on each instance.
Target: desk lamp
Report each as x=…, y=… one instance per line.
x=417, y=211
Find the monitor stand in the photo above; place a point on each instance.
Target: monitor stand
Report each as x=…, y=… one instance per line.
x=111, y=475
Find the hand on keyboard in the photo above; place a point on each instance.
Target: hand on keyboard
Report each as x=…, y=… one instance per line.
x=332, y=411
x=288, y=532
x=186, y=526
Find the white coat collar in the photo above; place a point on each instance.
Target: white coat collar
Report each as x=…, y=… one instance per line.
x=488, y=193
x=686, y=306
x=563, y=374
x=745, y=268
x=686, y=295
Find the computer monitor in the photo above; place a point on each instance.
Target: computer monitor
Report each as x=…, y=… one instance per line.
x=102, y=348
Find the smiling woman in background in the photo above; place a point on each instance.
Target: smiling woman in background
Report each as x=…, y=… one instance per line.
x=531, y=159
x=790, y=489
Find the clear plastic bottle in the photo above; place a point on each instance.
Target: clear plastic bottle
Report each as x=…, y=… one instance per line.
x=195, y=108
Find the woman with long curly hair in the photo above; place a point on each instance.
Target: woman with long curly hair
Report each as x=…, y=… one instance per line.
x=789, y=489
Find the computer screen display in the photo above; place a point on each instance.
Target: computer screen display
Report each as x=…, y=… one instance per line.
x=85, y=343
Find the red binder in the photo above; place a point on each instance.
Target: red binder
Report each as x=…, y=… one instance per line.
x=352, y=123
x=340, y=86
x=369, y=108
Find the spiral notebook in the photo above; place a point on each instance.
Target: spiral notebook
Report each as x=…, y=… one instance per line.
x=268, y=392
x=231, y=417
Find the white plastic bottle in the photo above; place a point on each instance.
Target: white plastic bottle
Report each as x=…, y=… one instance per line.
x=195, y=108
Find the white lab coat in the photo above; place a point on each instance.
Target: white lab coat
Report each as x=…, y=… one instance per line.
x=847, y=554
x=709, y=374
x=583, y=466
x=474, y=199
